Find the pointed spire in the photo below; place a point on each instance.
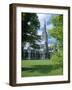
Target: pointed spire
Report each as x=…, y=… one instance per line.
x=45, y=32
x=45, y=25
x=46, y=38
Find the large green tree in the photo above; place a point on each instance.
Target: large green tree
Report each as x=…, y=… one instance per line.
x=30, y=25
x=57, y=33
x=57, y=30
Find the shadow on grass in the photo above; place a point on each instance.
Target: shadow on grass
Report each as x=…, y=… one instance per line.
x=42, y=68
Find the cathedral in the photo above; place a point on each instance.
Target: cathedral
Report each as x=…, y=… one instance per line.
x=30, y=53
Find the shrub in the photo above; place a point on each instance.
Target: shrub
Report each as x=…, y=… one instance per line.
x=57, y=58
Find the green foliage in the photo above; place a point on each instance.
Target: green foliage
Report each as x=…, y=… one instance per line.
x=57, y=30
x=30, y=25
x=57, y=20
x=57, y=57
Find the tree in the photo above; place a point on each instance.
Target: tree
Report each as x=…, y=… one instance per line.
x=57, y=33
x=30, y=25
x=57, y=30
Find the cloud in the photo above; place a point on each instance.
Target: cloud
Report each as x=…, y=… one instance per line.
x=39, y=32
x=49, y=26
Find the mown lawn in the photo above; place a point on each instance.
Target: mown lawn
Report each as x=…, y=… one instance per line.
x=40, y=68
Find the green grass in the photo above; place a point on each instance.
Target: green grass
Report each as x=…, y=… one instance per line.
x=41, y=68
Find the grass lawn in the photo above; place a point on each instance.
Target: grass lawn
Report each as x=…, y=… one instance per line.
x=40, y=68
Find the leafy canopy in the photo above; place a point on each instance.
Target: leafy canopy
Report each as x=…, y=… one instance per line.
x=57, y=30
x=30, y=25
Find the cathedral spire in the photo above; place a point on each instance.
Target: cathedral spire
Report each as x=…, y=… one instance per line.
x=46, y=38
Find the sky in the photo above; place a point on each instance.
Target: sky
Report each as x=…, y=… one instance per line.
x=42, y=18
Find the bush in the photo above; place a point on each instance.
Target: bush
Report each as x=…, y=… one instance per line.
x=57, y=57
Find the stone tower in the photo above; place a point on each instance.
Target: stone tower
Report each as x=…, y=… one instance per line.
x=45, y=39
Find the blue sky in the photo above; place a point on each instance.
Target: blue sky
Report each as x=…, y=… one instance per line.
x=47, y=18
